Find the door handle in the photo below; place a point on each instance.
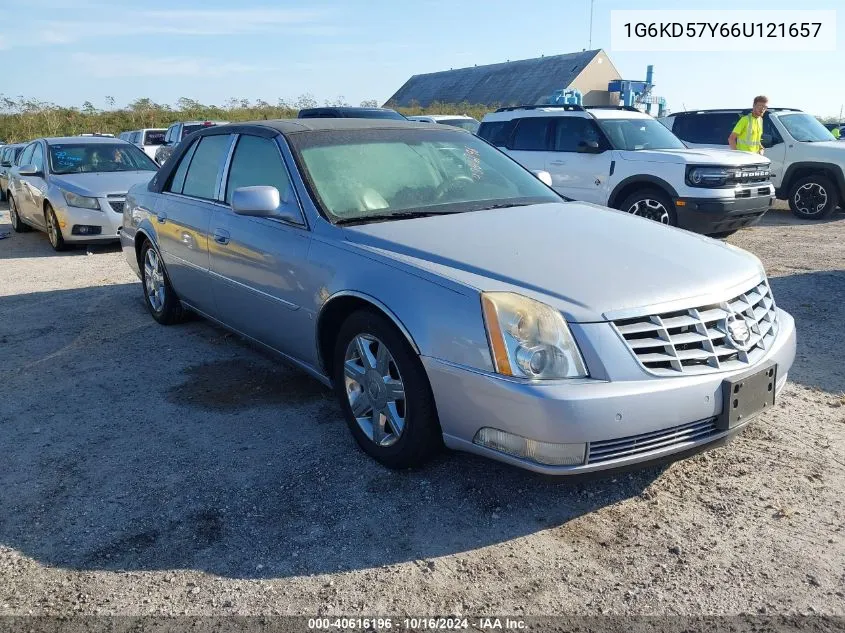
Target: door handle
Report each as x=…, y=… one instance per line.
x=221, y=236
x=557, y=162
x=161, y=217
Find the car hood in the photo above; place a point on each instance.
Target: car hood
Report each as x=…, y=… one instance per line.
x=98, y=184
x=832, y=150
x=695, y=157
x=584, y=259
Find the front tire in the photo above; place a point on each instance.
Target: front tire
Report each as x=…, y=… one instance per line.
x=159, y=297
x=813, y=198
x=17, y=224
x=384, y=392
x=651, y=204
x=54, y=231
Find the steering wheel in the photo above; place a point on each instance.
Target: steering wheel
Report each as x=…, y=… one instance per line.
x=447, y=185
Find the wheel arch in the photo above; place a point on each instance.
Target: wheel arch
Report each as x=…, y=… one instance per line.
x=641, y=181
x=335, y=310
x=799, y=170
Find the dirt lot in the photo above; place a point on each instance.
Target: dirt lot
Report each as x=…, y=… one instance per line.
x=176, y=470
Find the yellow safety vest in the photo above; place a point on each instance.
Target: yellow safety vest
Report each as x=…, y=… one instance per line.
x=836, y=132
x=749, y=139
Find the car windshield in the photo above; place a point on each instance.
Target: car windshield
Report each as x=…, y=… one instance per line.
x=360, y=174
x=805, y=128
x=639, y=134
x=76, y=158
x=466, y=124
x=154, y=137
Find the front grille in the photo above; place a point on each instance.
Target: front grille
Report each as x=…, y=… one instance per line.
x=750, y=173
x=696, y=340
x=674, y=438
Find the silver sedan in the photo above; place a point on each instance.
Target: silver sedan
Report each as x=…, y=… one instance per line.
x=74, y=188
x=451, y=298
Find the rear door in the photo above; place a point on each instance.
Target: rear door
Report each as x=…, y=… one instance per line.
x=577, y=173
x=183, y=214
x=259, y=266
x=530, y=142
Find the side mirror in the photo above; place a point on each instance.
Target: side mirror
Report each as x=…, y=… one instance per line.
x=261, y=201
x=589, y=147
x=28, y=170
x=766, y=140
x=543, y=176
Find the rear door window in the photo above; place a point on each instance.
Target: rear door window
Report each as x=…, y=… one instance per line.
x=38, y=158
x=153, y=137
x=201, y=179
x=531, y=134
x=712, y=128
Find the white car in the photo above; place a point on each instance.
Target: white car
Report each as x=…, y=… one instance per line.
x=455, y=120
x=148, y=139
x=625, y=159
x=807, y=162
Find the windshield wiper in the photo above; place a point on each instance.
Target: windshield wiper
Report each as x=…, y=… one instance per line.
x=398, y=215
x=504, y=205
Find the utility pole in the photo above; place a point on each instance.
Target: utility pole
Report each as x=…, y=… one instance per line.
x=590, y=41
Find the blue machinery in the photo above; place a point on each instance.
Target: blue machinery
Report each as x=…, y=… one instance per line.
x=631, y=93
x=635, y=93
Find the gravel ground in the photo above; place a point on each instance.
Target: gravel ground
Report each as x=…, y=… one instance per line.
x=177, y=470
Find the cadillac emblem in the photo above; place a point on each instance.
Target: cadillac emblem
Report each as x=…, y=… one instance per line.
x=738, y=331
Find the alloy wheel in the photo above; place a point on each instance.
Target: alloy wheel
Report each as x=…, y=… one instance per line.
x=650, y=209
x=52, y=229
x=13, y=213
x=154, y=280
x=810, y=198
x=375, y=389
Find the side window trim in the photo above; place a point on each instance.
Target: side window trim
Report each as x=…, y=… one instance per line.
x=223, y=177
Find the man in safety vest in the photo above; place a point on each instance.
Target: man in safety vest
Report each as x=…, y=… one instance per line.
x=748, y=132
x=837, y=132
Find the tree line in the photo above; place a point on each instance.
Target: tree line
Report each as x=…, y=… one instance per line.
x=23, y=119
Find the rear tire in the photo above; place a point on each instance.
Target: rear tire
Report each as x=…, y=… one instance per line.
x=17, y=224
x=813, y=198
x=374, y=396
x=159, y=297
x=651, y=204
x=54, y=231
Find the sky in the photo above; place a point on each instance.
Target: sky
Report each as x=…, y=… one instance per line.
x=71, y=51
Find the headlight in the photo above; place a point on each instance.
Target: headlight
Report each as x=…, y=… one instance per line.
x=709, y=176
x=529, y=339
x=75, y=200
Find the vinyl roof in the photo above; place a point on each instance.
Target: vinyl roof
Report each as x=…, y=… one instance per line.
x=516, y=82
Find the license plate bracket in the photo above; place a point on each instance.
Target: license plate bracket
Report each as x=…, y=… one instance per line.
x=747, y=395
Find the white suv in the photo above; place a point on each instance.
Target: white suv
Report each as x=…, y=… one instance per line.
x=625, y=159
x=807, y=162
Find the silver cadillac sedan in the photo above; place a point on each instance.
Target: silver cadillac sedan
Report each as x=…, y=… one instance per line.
x=73, y=188
x=451, y=298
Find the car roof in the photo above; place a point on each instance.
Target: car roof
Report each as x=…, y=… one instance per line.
x=86, y=140
x=293, y=126
x=441, y=117
x=730, y=111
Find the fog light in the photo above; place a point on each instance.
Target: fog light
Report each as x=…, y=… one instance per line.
x=85, y=229
x=540, y=452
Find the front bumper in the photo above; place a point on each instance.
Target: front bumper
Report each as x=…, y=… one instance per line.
x=717, y=215
x=106, y=221
x=676, y=410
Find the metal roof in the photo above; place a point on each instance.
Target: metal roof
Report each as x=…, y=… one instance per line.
x=513, y=82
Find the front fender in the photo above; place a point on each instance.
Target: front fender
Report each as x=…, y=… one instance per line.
x=440, y=321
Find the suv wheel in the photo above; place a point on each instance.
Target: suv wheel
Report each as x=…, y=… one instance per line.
x=651, y=204
x=384, y=392
x=813, y=198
